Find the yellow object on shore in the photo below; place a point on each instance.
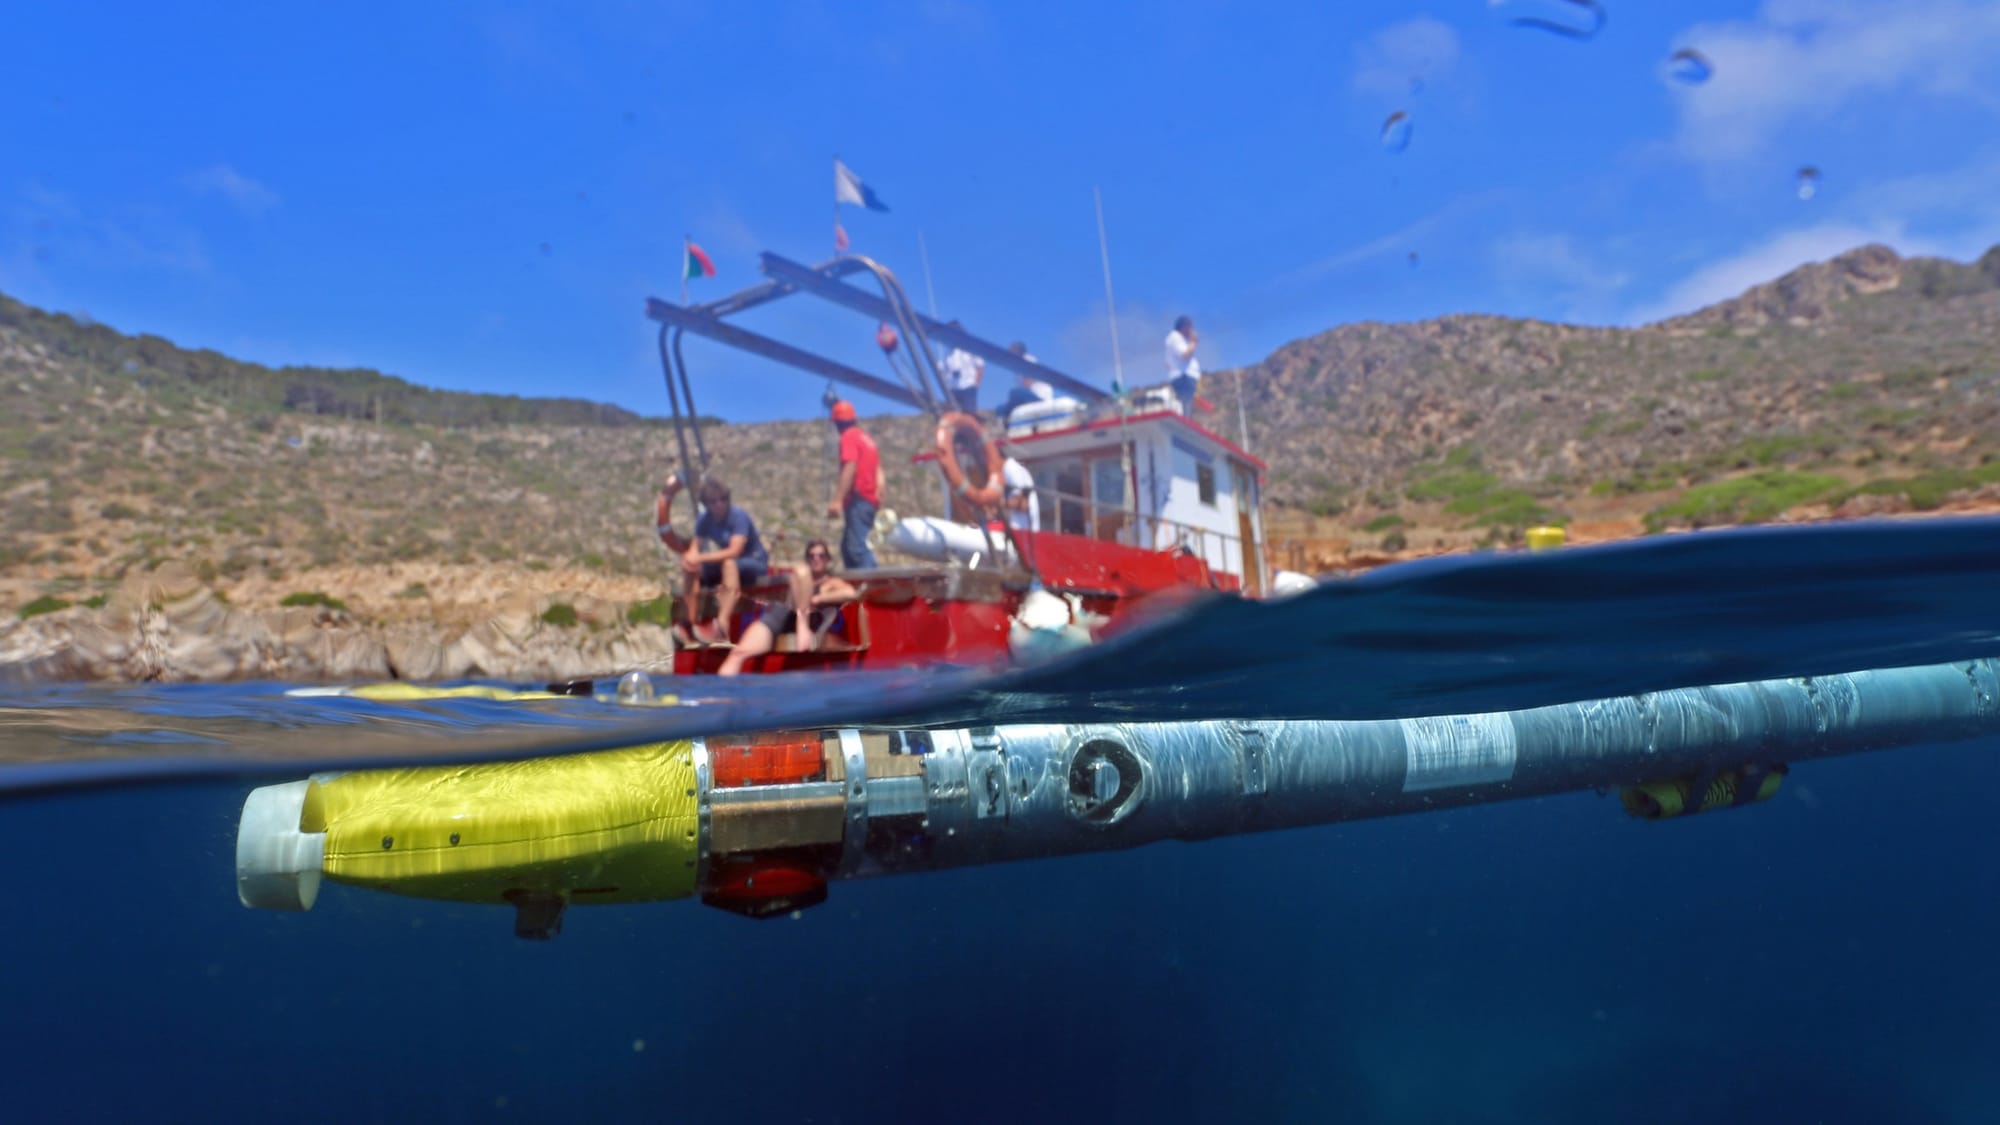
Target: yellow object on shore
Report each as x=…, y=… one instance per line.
x=614, y=826
x=1542, y=538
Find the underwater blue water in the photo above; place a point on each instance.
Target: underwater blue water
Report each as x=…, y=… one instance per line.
x=1823, y=957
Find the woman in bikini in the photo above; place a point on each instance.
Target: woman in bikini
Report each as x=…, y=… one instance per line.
x=812, y=610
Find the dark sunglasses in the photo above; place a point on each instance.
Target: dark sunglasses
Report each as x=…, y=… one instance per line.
x=819, y=554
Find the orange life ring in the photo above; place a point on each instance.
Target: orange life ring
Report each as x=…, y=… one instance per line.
x=986, y=496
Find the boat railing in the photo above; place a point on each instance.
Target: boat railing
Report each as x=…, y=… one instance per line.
x=1076, y=514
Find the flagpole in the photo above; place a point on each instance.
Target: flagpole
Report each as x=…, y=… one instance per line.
x=925, y=254
x=836, y=204
x=1118, y=374
x=1110, y=301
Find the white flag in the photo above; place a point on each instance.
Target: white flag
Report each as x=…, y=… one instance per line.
x=848, y=188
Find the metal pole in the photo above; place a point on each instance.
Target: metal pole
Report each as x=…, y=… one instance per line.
x=1130, y=503
x=925, y=254
x=1110, y=301
x=1242, y=426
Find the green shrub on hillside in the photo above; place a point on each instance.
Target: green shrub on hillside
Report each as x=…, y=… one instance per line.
x=1467, y=489
x=312, y=598
x=47, y=603
x=658, y=611
x=1929, y=491
x=1748, y=499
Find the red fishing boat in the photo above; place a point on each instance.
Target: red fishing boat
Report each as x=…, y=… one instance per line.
x=1134, y=496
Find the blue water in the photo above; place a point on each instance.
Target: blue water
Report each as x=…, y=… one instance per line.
x=1824, y=957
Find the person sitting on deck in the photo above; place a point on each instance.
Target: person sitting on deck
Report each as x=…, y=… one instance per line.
x=1027, y=389
x=812, y=611
x=724, y=554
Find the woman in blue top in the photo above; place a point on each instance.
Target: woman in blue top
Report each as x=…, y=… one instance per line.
x=725, y=553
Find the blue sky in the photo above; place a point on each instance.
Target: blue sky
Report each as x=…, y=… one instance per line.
x=479, y=196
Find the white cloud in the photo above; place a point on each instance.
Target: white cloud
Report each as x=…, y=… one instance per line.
x=1959, y=200
x=1772, y=259
x=1083, y=346
x=1953, y=213
x=1396, y=243
x=1554, y=259
x=1391, y=61
x=1807, y=60
x=246, y=194
x=722, y=230
x=52, y=232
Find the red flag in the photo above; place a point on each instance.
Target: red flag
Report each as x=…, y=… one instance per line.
x=697, y=264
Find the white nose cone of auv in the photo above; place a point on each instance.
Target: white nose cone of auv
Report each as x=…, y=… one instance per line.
x=277, y=866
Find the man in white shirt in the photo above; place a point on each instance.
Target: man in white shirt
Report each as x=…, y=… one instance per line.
x=1018, y=496
x=1183, y=369
x=962, y=373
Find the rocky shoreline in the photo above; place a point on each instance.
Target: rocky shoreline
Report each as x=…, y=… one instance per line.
x=167, y=625
x=501, y=622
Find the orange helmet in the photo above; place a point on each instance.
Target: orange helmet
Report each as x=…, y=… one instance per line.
x=843, y=411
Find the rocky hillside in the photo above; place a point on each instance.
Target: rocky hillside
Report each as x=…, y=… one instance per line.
x=1868, y=383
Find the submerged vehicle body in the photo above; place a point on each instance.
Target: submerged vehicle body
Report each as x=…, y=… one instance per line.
x=760, y=824
x=1135, y=496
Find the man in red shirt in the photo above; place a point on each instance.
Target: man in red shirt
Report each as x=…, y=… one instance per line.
x=859, y=494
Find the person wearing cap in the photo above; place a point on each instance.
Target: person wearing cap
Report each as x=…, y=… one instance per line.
x=858, y=495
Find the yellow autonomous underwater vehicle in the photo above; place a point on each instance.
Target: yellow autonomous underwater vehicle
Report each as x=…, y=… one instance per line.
x=759, y=824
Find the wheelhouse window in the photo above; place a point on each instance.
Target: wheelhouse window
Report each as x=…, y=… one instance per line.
x=1204, y=483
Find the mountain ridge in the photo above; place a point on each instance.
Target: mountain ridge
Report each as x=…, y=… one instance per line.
x=1866, y=384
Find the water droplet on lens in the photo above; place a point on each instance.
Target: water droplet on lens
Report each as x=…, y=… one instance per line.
x=1808, y=182
x=635, y=687
x=1396, y=132
x=1413, y=257
x=1573, y=19
x=1690, y=66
